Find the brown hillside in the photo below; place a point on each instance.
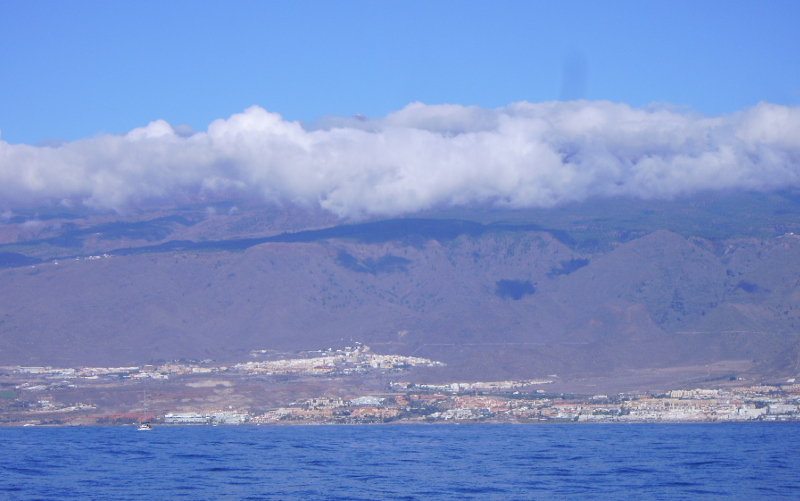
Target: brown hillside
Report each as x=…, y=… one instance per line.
x=655, y=301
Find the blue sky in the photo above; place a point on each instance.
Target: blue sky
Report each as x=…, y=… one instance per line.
x=71, y=70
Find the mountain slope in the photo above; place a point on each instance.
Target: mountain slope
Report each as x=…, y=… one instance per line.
x=510, y=302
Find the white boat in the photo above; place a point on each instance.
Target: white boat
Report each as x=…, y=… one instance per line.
x=144, y=425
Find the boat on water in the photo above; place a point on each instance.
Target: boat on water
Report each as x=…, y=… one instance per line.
x=144, y=425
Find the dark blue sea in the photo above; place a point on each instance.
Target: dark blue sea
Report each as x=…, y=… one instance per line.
x=482, y=462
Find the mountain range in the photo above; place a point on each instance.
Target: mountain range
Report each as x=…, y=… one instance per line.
x=593, y=289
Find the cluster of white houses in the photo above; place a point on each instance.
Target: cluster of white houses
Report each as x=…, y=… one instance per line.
x=350, y=360
x=699, y=405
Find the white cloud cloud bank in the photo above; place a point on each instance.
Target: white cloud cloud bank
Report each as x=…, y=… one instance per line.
x=522, y=155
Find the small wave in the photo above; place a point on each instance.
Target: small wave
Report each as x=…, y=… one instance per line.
x=26, y=471
x=196, y=456
x=633, y=469
x=699, y=463
x=215, y=469
x=479, y=490
x=680, y=484
x=708, y=492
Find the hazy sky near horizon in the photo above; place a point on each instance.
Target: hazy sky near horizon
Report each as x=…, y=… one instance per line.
x=518, y=104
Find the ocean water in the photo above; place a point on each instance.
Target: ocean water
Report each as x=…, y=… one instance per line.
x=410, y=462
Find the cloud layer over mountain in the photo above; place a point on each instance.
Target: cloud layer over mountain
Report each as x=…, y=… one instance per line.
x=523, y=155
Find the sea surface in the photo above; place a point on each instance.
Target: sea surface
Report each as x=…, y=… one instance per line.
x=425, y=462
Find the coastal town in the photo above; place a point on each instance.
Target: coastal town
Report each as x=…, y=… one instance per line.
x=348, y=386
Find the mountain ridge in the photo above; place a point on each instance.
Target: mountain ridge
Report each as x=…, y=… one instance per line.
x=437, y=288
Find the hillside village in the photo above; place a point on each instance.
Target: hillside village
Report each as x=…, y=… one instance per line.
x=351, y=360
x=37, y=395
